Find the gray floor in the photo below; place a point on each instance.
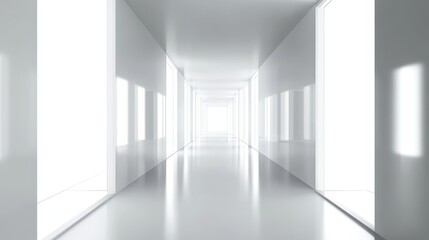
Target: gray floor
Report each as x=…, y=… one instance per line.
x=217, y=188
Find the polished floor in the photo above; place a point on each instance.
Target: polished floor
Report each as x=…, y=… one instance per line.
x=217, y=188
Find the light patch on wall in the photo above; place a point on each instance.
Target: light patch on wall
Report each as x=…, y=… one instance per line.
x=141, y=111
x=171, y=106
x=308, y=112
x=240, y=114
x=236, y=116
x=268, y=105
x=4, y=106
x=244, y=113
x=194, y=114
x=197, y=116
x=408, y=112
x=2, y=79
x=254, y=102
x=285, y=116
x=122, y=111
x=160, y=115
x=187, y=114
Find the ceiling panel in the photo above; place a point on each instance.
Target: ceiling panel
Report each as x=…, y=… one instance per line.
x=219, y=44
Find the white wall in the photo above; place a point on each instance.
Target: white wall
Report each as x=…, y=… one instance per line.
x=18, y=137
x=291, y=67
x=142, y=62
x=402, y=112
x=139, y=57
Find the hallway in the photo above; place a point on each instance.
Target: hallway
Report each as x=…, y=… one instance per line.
x=217, y=188
x=214, y=120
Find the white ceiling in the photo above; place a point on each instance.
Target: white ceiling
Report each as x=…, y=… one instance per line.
x=219, y=44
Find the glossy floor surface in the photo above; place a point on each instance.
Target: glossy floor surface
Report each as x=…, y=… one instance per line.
x=217, y=188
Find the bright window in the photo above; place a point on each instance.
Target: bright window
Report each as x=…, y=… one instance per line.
x=345, y=89
x=72, y=104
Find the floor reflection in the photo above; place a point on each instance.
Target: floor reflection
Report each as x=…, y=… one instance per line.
x=360, y=203
x=218, y=188
x=171, y=196
x=337, y=225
